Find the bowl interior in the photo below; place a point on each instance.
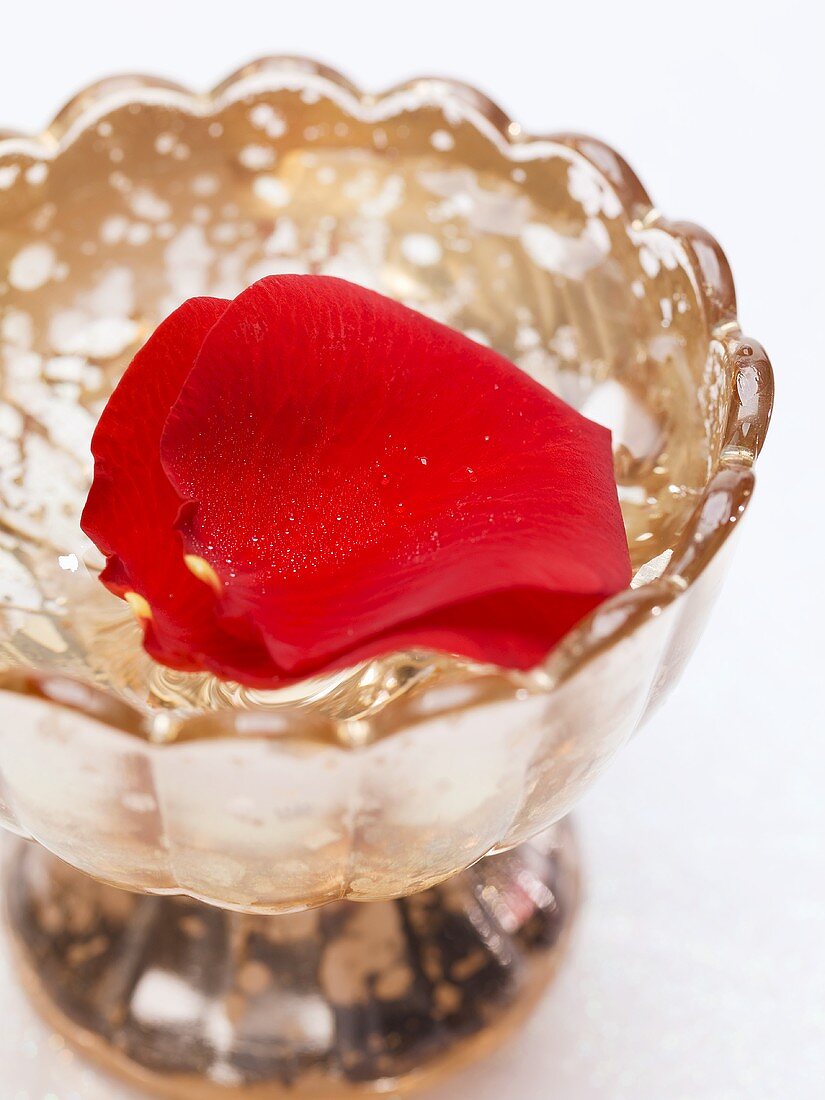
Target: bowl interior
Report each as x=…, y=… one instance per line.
x=153, y=199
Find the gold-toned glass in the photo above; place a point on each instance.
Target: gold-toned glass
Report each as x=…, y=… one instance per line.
x=389, y=778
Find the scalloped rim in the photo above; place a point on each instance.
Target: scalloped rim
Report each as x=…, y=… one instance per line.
x=752, y=388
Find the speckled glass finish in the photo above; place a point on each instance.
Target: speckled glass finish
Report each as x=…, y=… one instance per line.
x=389, y=777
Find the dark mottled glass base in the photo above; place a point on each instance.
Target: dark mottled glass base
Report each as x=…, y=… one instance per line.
x=346, y=1000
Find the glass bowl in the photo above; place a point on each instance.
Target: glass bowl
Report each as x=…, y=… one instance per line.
x=393, y=776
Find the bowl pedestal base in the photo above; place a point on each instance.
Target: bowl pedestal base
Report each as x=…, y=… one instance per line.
x=351, y=999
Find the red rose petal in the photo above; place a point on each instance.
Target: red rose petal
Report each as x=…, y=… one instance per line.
x=131, y=509
x=361, y=476
x=515, y=629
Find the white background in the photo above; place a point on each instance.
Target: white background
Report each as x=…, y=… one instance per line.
x=699, y=968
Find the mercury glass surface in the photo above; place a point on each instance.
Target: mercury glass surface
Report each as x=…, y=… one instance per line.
x=391, y=776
